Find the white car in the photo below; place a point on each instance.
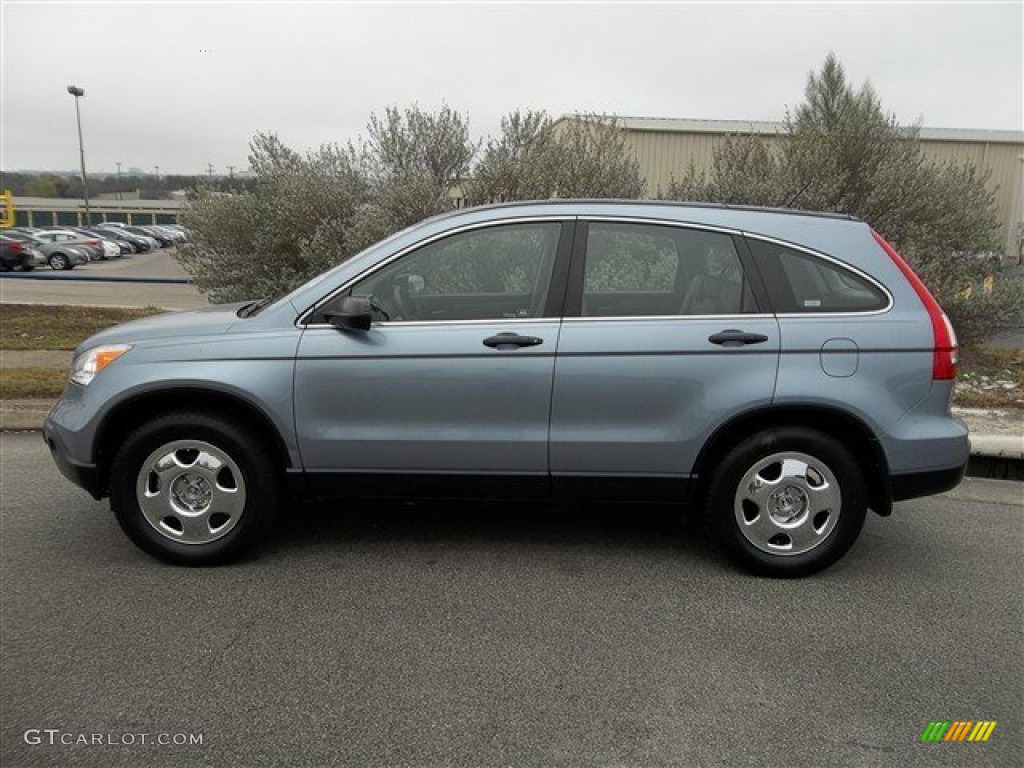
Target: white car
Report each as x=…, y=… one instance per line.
x=111, y=250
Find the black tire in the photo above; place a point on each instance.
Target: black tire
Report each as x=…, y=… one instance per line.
x=249, y=467
x=59, y=261
x=774, y=522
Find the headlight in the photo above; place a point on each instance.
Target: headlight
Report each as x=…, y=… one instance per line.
x=92, y=361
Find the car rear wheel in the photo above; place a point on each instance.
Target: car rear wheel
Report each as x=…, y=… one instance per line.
x=59, y=261
x=194, y=489
x=787, y=502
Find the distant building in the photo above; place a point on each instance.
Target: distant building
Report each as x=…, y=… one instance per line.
x=665, y=149
x=51, y=211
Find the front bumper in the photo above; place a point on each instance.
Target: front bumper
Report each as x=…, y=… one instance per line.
x=61, y=443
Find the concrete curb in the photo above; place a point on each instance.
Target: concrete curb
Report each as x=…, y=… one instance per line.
x=998, y=446
x=24, y=415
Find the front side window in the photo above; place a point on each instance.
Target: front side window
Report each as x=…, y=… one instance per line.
x=653, y=270
x=494, y=273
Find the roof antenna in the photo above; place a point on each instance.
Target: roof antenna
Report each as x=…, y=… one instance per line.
x=796, y=197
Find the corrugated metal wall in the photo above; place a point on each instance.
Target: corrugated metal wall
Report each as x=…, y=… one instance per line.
x=664, y=155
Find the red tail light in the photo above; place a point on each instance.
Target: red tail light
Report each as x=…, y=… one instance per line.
x=94, y=243
x=945, y=354
x=15, y=247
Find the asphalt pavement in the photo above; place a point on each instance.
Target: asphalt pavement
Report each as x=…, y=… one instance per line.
x=91, y=286
x=372, y=634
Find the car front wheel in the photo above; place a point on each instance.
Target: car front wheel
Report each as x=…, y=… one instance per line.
x=194, y=489
x=787, y=502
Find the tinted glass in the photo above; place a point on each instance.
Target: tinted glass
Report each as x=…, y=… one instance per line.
x=498, y=272
x=799, y=282
x=652, y=270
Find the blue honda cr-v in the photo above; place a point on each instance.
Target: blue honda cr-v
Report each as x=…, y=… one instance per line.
x=785, y=371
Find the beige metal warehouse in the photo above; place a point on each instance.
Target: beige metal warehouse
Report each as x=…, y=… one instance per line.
x=665, y=148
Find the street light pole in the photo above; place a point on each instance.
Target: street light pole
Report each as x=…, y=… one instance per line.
x=76, y=92
x=119, y=195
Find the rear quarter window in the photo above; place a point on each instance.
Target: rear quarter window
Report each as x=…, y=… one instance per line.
x=798, y=282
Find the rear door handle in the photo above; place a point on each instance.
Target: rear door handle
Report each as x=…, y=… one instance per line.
x=735, y=338
x=507, y=340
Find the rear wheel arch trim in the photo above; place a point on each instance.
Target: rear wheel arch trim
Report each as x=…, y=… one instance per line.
x=868, y=451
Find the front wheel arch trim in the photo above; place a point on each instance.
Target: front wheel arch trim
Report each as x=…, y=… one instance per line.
x=127, y=414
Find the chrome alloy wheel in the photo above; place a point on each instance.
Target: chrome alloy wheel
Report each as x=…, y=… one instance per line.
x=787, y=503
x=190, y=491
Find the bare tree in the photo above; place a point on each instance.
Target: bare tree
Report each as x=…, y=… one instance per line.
x=536, y=158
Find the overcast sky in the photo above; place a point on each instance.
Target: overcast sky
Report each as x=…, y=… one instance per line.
x=182, y=84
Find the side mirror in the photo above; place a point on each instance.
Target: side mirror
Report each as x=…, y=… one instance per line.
x=354, y=313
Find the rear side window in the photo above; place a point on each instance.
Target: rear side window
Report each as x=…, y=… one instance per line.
x=800, y=283
x=644, y=270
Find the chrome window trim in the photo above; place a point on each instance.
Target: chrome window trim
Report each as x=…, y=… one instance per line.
x=300, y=320
x=557, y=320
x=838, y=263
x=732, y=316
x=500, y=320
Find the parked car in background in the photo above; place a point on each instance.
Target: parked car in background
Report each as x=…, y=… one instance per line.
x=22, y=230
x=785, y=372
x=175, y=236
x=17, y=255
x=164, y=238
x=180, y=230
x=141, y=232
x=127, y=246
x=111, y=250
x=123, y=248
x=59, y=256
x=89, y=245
x=138, y=242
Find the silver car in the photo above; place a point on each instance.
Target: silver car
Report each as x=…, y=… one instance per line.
x=58, y=255
x=91, y=246
x=786, y=372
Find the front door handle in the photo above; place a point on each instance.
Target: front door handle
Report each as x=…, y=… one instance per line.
x=735, y=338
x=512, y=340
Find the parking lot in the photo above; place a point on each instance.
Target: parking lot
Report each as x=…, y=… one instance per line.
x=90, y=284
x=388, y=634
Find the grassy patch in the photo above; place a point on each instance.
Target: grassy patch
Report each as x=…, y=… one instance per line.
x=29, y=326
x=31, y=382
x=990, y=378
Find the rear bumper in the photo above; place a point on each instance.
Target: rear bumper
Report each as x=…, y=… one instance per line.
x=916, y=484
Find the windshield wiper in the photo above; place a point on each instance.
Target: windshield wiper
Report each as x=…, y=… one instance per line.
x=253, y=307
